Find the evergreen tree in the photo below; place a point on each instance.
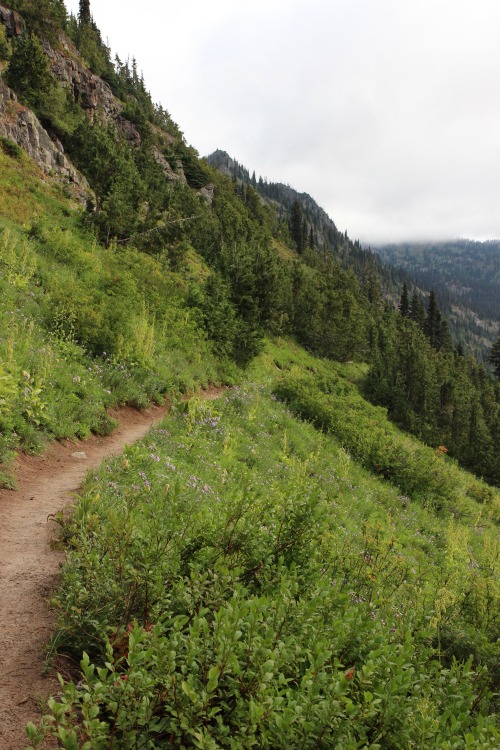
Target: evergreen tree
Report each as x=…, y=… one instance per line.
x=46, y=18
x=303, y=238
x=494, y=357
x=296, y=226
x=417, y=310
x=404, y=303
x=312, y=243
x=29, y=73
x=84, y=15
x=433, y=326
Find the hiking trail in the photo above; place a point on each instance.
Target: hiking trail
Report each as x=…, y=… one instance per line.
x=30, y=567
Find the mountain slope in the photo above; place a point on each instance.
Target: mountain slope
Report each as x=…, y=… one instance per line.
x=153, y=198
x=260, y=587
x=464, y=274
x=242, y=577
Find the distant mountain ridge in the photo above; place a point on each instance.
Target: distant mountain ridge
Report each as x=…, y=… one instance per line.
x=466, y=269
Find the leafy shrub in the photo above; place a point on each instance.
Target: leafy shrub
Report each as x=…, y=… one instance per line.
x=10, y=147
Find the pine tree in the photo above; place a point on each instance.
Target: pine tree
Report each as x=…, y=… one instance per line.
x=46, y=18
x=28, y=73
x=433, y=327
x=404, y=303
x=494, y=357
x=304, y=234
x=296, y=226
x=84, y=15
x=417, y=310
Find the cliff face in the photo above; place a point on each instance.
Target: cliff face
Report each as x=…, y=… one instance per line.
x=95, y=98
x=21, y=125
x=12, y=21
x=92, y=93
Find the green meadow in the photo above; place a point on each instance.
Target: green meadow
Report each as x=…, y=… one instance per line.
x=241, y=578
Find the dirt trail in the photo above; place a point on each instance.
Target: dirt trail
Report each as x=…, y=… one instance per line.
x=29, y=567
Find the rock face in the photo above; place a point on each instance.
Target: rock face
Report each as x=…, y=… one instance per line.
x=12, y=21
x=93, y=95
x=207, y=193
x=20, y=125
x=91, y=92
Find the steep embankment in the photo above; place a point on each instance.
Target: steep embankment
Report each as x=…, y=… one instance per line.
x=29, y=565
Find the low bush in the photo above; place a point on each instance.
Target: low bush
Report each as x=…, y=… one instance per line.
x=236, y=580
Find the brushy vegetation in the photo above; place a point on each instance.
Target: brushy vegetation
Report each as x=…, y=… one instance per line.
x=336, y=406
x=83, y=327
x=151, y=189
x=238, y=580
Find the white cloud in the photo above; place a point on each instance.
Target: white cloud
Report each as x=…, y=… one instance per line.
x=386, y=112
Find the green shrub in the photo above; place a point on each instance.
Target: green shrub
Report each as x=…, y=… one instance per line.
x=10, y=148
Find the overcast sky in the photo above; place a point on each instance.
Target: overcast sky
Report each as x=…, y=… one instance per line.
x=387, y=112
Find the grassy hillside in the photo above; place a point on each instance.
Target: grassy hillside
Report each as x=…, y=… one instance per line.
x=83, y=327
x=239, y=580
x=155, y=207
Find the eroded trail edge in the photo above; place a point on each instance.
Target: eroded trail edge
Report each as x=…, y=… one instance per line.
x=29, y=567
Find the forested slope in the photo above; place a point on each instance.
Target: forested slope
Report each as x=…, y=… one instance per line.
x=465, y=274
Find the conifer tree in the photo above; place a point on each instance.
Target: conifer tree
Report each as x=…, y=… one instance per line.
x=404, y=303
x=28, y=73
x=296, y=226
x=84, y=15
x=45, y=18
x=494, y=357
x=417, y=310
x=433, y=321
x=312, y=243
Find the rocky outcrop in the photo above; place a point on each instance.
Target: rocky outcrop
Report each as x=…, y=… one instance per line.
x=164, y=141
x=207, y=193
x=92, y=93
x=12, y=21
x=128, y=131
x=164, y=164
x=20, y=125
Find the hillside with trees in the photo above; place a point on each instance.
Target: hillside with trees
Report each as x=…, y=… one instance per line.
x=466, y=276
x=472, y=311
x=313, y=561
